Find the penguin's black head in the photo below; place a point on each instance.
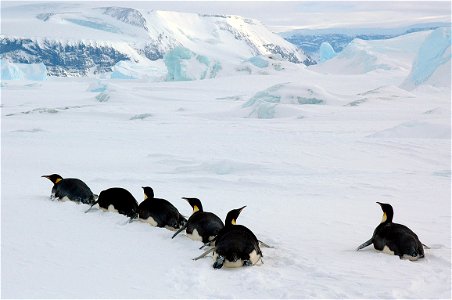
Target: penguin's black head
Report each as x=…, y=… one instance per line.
x=195, y=203
x=148, y=192
x=388, y=212
x=55, y=178
x=231, y=217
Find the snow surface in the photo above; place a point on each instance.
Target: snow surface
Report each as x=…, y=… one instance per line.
x=310, y=174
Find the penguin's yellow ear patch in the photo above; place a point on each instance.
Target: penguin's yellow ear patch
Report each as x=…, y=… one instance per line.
x=58, y=180
x=384, y=218
x=195, y=208
x=145, y=196
x=233, y=222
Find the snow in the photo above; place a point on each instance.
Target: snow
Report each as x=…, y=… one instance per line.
x=308, y=150
x=149, y=70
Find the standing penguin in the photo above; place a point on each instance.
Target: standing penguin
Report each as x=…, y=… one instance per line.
x=201, y=226
x=235, y=245
x=118, y=199
x=159, y=212
x=70, y=189
x=393, y=238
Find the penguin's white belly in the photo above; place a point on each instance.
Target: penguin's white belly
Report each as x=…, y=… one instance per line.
x=149, y=220
x=412, y=258
x=111, y=208
x=254, y=258
x=170, y=228
x=387, y=250
x=195, y=235
x=64, y=199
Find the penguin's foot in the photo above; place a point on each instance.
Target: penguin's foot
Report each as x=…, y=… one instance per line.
x=247, y=263
x=219, y=262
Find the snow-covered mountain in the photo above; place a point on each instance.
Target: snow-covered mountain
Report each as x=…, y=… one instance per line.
x=310, y=40
x=76, y=40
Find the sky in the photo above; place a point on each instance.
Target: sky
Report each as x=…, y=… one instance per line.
x=281, y=16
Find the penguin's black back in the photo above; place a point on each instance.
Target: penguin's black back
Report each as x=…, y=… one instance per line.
x=74, y=189
x=162, y=211
x=398, y=238
x=121, y=199
x=207, y=225
x=236, y=242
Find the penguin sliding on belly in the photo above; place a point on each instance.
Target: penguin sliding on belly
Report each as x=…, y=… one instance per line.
x=117, y=199
x=72, y=189
x=201, y=226
x=159, y=212
x=395, y=238
x=235, y=245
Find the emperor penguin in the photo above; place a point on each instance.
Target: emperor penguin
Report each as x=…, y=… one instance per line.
x=235, y=245
x=201, y=225
x=393, y=238
x=159, y=212
x=72, y=189
x=117, y=199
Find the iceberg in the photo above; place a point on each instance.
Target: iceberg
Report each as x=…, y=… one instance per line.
x=12, y=71
x=184, y=65
x=432, y=63
x=326, y=52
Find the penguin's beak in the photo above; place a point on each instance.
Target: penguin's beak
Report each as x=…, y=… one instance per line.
x=45, y=176
x=240, y=209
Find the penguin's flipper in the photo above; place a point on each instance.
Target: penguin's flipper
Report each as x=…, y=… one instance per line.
x=179, y=231
x=95, y=196
x=425, y=246
x=262, y=244
x=204, y=245
x=91, y=206
x=205, y=253
x=364, y=245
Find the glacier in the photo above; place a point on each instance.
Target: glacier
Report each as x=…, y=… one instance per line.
x=136, y=35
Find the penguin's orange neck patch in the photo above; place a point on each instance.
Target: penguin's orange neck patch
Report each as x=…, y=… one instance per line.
x=195, y=208
x=58, y=180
